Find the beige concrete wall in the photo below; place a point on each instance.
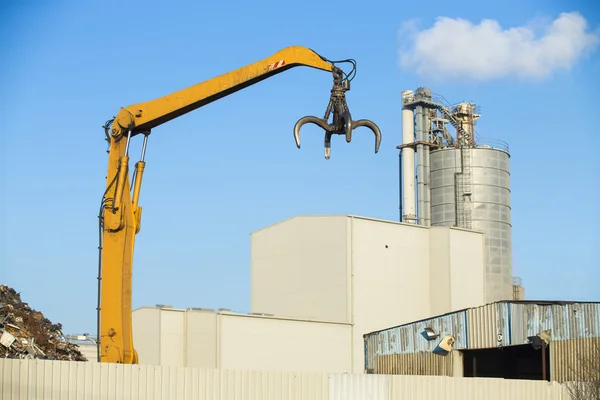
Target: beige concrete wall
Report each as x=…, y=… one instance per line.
x=467, y=269
x=206, y=339
x=394, y=273
x=172, y=337
x=277, y=344
x=300, y=269
x=201, y=333
x=440, y=277
x=457, y=278
x=146, y=335
x=390, y=267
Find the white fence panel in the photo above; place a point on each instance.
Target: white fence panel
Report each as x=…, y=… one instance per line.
x=64, y=380
x=359, y=387
x=54, y=380
x=448, y=388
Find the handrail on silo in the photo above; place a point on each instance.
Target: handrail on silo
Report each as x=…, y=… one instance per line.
x=444, y=105
x=493, y=143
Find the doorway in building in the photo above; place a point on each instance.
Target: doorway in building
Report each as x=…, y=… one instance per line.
x=510, y=362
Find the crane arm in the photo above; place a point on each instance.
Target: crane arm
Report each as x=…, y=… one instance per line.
x=120, y=214
x=143, y=117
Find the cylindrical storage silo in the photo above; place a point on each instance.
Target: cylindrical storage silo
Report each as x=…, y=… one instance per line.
x=487, y=176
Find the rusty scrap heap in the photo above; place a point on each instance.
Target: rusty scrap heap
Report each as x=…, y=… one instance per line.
x=26, y=333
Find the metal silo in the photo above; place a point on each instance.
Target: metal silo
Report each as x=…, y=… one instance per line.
x=470, y=188
x=461, y=180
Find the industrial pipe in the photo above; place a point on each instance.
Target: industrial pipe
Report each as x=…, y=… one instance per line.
x=426, y=126
x=408, y=162
x=420, y=166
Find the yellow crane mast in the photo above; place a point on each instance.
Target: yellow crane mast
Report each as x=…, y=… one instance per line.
x=120, y=213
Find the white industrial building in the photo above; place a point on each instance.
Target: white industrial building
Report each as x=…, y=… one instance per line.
x=222, y=339
x=323, y=281
x=319, y=283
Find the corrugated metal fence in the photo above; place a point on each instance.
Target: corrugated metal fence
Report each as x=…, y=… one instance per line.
x=575, y=360
x=51, y=380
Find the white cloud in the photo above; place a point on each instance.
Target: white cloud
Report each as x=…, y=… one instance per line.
x=457, y=48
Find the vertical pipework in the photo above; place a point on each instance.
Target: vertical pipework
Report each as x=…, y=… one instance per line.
x=401, y=181
x=408, y=162
x=420, y=166
x=426, y=171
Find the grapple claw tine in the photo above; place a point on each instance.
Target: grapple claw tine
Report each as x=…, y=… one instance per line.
x=327, y=145
x=308, y=120
x=348, y=125
x=372, y=126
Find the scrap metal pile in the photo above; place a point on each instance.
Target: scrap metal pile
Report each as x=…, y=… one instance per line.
x=26, y=333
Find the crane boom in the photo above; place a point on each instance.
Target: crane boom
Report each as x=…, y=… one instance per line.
x=145, y=116
x=120, y=214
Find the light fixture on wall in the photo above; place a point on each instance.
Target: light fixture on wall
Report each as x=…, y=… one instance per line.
x=540, y=340
x=431, y=333
x=447, y=343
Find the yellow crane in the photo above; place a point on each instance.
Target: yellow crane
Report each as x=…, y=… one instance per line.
x=120, y=214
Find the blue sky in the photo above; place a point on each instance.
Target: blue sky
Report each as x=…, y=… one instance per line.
x=217, y=174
